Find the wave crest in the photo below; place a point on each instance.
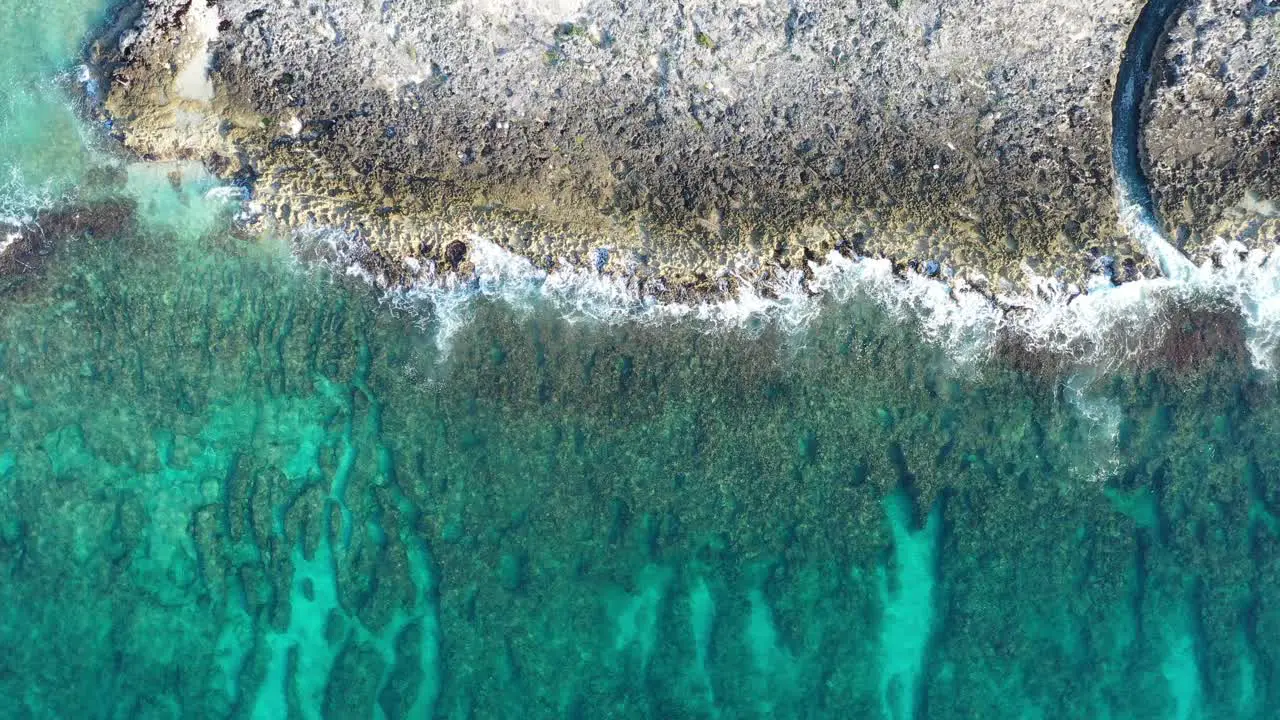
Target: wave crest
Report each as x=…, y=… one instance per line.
x=1103, y=326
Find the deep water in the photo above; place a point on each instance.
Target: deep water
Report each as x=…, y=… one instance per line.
x=233, y=486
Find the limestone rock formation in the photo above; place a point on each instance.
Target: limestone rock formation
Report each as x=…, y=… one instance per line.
x=700, y=138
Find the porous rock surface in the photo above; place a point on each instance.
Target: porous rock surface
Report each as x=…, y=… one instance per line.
x=699, y=139
x=1212, y=131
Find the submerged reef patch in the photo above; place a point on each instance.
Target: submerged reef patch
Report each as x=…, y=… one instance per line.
x=317, y=474
x=216, y=462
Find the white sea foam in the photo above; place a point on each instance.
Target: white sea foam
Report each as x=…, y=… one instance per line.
x=20, y=203
x=21, y=200
x=1102, y=325
x=8, y=239
x=444, y=299
x=1249, y=279
x=1172, y=263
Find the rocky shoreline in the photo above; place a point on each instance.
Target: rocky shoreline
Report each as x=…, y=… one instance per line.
x=703, y=142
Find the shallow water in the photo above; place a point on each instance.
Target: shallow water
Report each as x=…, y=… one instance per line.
x=234, y=486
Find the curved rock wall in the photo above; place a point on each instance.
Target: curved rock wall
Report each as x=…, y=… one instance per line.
x=1211, y=131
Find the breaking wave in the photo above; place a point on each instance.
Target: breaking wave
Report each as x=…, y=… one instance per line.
x=1102, y=325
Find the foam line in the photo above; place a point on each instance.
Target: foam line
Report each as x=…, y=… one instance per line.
x=909, y=608
x=1102, y=325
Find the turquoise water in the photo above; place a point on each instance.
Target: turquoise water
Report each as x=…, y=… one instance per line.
x=42, y=148
x=231, y=486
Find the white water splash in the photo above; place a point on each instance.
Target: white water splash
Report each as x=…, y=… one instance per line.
x=952, y=315
x=550, y=11
x=1250, y=280
x=1102, y=326
x=444, y=300
x=1172, y=263
x=20, y=200
x=1247, y=279
x=1100, y=418
x=8, y=239
x=961, y=320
